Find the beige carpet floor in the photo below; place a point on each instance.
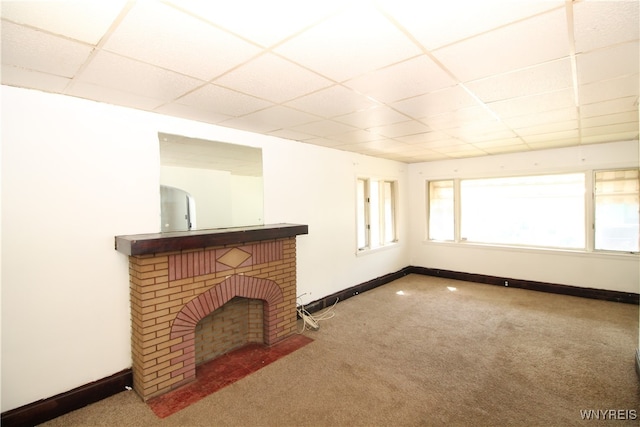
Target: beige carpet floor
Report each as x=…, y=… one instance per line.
x=417, y=352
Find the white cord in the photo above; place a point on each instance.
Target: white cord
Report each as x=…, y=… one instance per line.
x=313, y=322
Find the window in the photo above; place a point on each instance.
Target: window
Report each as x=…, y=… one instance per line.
x=548, y=211
x=376, y=213
x=530, y=210
x=616, y=210
x=441, y=210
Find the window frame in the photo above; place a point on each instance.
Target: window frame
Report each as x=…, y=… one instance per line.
x=589, y=212
x=592, y=211
x=381, y=228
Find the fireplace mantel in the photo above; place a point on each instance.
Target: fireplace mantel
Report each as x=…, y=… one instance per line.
x=145, y=244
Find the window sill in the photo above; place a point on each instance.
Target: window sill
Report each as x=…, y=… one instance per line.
x=368, y=251
x=532, y=250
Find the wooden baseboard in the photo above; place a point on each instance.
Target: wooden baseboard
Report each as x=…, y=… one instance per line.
x=355, y=290
x=602, y=294
x=48, y=409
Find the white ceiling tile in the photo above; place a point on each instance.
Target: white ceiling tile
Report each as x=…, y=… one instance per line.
x=177, y=41
x=112, y=96
x=191, y=113
x=334, y=101
x=608, y=63
x=442, y=144
x=357, y=148
x=462, y=154
x=610, y=129
x=271, y=119
x=609, y=137
x=508, y=142
x=504, y=49
x=542, y=118
x=548, y=128
x=395, y=130
x=358, y=40
x=424, y=155
x=475, y=136
x=554, y=143
x=503, y=149
x=263, y=22
x=436, y=24
x=325, y=142
x=415, y=76
x=563, y=135
x=546, y=77
x=603, y=90
x=34, y=50
x=91, y=19
x=604, y=23
x=125, y=75
x=358, y=136
x=427, y=137
x=534, y=104
x=456, y=118
x=479, y=127
x=293, y=135
x=20, y=77
x=222, y=101
x=274, y=79
x=451, y=148
x=373, y=117
x=431, y=104
x=610, y=119
x=385, y=146
x=620, y=105
x=324, y=128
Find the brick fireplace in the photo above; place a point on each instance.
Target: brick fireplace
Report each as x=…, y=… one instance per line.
x=198, y=294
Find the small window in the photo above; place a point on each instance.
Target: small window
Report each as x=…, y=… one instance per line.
x=362, y=213
x=616, y=200
x=441, y=210
x=376, y=213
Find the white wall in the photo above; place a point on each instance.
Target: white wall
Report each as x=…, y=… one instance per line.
x=591, y=270
x=247, y=204
x=319, y=189
x=77, y=173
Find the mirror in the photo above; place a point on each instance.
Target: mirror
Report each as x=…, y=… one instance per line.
x=209, y=184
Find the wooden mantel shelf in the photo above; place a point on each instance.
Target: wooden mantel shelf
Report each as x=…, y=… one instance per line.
x=155, y=243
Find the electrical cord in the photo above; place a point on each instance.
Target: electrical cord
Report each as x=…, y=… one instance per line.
x=313, y=322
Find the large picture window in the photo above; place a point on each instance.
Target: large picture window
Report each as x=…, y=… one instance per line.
x=549, y=211
x=544, y=210
x=376, y=213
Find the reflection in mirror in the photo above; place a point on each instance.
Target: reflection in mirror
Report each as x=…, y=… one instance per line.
x=209, y=184
x=178, y=209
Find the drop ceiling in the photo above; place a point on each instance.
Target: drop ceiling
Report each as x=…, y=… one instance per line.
x=406, y=80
